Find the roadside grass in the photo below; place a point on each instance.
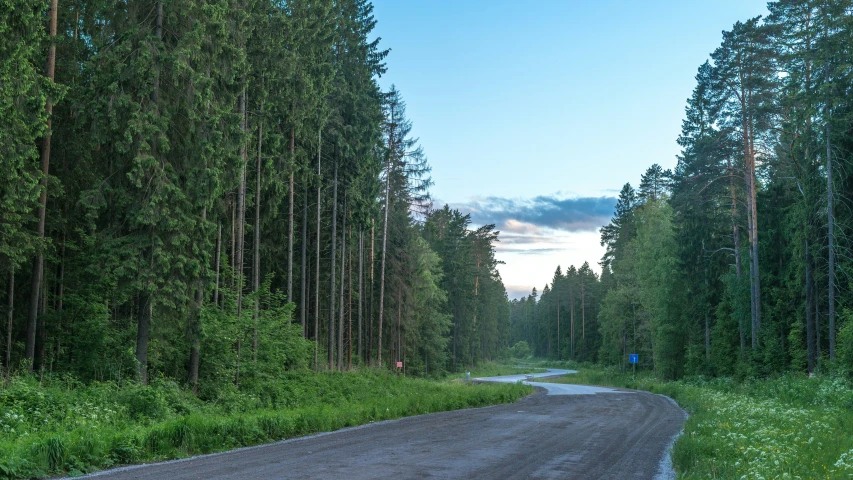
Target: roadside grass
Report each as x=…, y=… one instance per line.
x=63, y=427
x=789, y=426
x=494, y=369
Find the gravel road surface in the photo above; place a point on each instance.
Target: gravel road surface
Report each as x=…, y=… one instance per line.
x=568, y=431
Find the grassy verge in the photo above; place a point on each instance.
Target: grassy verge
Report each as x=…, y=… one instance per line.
x=491, y=369
x=65, y=427
x=783, y=427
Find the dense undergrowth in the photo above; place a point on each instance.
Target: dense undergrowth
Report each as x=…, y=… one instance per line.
x=63, y=426
x=788, y=426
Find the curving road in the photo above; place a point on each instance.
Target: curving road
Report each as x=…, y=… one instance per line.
x=566, y=431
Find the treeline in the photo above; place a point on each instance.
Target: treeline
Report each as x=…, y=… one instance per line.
x=738, y=261
x=216, y=190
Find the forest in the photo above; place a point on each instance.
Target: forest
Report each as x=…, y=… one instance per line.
x=737, y=262
x=213, y=192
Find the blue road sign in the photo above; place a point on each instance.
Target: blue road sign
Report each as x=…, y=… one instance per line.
x=634, y=358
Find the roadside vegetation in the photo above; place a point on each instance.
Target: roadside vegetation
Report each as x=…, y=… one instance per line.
x=63, y=426
x=787, y=426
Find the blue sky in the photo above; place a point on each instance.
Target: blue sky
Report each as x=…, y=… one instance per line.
x=533, y=114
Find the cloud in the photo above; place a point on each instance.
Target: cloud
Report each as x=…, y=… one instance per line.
x=527, y=216
x=517, y=291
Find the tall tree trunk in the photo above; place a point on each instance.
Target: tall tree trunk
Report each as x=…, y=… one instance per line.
x=752, y=223
x=218, y=258
x=317, y=265
x=42, y=332
x=38, y=262
x=360, y=290
x=372, y=289
x=233, y=259
x=343, y=282
x=830, y=223
x=241, y=223
x=290, y=218
x=332, y=283
x=256, y=254
x=303, y=277
x=9, y=316
x=382, y=267
x=736, y=238
x=572, y=321
x=583, y=314
x=60, y=298
x=142, y=334
x=196, y=326
x=810, y=328
x=559, y=353
x=349, y=305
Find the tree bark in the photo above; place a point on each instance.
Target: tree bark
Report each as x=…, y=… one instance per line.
x=38, y=262
x=349, y=306
x=332, y=283
x=372, y=289
x=142, y=335
x=736, y=238
x=9, y=316
x=343, y=282
x=218, y=258
x=810, y=327
x=256, y=254
x=196, y=327
x=382, y=267
x=303, y=277
x=290, y=219
x=317, y=265
x=360, y=291
x=830, y=223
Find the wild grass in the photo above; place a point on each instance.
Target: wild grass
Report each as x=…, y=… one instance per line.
x=492, y=369
x=789, y=426
x=65, y=427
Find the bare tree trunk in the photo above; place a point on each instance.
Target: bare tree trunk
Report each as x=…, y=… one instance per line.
x=241, y=223
x=752, y=217
x=256, y=255
x=343, y=282
x=583, y=312
x=830, y=223
x=317, y=265
x=384, y=249
x=9, y=317
x=572, y=320
x=736, y=238
x=60, y=298
x=290, y=219
x=196, y=327
x=42, y=332
x=372, y=289
x=142, y=335
x=349, y=306
x=38, y=262
x=360, y=291
x=559, y=353
x=233, y=259
x=332, y=283
x=810, y=327
x=218, y=258
x=303, y=277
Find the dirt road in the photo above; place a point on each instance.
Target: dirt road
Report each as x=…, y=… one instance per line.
x=592, y=433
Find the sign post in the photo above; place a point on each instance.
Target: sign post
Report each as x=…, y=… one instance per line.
x=633, y=359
